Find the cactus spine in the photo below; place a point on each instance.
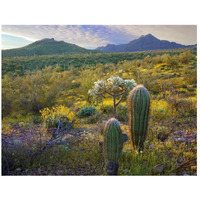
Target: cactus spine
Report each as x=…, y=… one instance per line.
x=138, y=108
x=113, y=144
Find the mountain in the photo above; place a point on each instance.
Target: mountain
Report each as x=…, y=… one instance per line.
x=143, y=43
x=46, y=47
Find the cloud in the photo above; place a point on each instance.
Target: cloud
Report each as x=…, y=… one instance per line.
x=183, y=34
x=92, y=36
x=80, y=35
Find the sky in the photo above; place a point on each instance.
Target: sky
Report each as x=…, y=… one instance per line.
x=93, y=36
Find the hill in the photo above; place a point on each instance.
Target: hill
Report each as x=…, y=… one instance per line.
x=45, y=47
x=144, y=43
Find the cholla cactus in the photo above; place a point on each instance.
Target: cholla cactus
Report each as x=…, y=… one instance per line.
x=114, y=86
x=113, y=144
x=138, y=108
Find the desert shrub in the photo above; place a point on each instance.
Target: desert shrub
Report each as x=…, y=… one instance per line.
x=100, y=127
x=155, y=87
x=185, y=57
x=160, y=110
x=87, y=111
x=51, y=117
x=24, y=124
x=160, y=132
x=16, y=119
x=14, y=157
x=122, y=113
x=19, y=143
x=78, y=104
x=92, y=119
x=182, y=91
x=190, y=75
x=186, y=107
x=106, y=109
x=183, y=106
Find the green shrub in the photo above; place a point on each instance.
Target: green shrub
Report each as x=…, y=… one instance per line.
x=122, y=113
x=106, y=109
x=93, y=119
x=54, y=122
x=87, y=111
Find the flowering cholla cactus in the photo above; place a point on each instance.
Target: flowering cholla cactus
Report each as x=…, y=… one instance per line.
x=114, y=86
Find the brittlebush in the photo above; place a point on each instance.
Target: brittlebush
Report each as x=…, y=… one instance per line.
x=51, y=117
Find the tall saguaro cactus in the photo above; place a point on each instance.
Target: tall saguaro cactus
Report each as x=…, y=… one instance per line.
x=113, y=144
x=138, y=108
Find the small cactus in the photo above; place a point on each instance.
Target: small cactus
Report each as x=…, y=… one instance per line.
x=113, y=144
x=138, y=108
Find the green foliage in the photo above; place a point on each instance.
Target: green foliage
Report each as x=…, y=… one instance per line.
x=185, y=57
x=125, y=138
x=93, y=119
x=106, y=108
x=138, y=108
x=122, y=113
x=50, y=86
x=33, y=92
x=22, y=64
x=87, y=111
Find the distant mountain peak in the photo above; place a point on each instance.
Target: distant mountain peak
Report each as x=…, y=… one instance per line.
x=44, y=41
x=47, y=39
x=148, y=35
x=143, y=43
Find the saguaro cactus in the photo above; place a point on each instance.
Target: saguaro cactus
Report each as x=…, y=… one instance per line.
x=138, y=108
x=113, y=144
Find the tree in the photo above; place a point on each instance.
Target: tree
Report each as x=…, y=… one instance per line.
x=113, y=86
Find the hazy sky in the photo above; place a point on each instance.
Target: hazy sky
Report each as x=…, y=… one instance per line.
x=92, y=36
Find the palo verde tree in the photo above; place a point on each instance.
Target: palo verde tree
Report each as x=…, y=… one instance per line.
x=116, y=87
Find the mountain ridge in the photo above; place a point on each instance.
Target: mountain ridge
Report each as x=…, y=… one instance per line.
x=49, y=46
x=46, y=46
x=143, y=43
